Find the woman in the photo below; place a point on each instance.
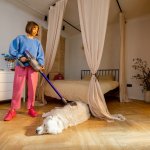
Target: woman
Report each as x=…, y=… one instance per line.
x=17, y=49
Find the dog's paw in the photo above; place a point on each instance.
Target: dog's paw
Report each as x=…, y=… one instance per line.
x=43, y=115
x=57, y=131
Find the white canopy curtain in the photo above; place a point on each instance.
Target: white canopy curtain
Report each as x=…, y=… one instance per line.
x=122, y=72
x=55, y=19
x=93, y=15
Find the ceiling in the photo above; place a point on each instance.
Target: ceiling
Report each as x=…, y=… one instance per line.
x=131, y=8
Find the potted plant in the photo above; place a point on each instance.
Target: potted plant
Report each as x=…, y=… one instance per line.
x=143, y=75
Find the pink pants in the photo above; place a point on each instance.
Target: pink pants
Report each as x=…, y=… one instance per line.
x=21, y=75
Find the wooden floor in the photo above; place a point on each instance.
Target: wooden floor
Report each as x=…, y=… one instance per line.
x=94, y=134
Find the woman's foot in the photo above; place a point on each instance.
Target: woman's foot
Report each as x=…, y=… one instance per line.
x=10, y=115
x=32, y=112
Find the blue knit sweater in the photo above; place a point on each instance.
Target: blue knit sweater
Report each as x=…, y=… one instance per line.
x=22, y=43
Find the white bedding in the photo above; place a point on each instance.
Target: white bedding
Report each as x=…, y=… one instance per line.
x=76, y=90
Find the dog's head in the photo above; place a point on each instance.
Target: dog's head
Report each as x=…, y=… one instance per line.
x=51, y=124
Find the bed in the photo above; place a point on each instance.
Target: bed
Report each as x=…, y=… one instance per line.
x=78, y=89
x=107, y=77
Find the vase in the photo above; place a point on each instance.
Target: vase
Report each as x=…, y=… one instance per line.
x=10, y=65
x=147, y=96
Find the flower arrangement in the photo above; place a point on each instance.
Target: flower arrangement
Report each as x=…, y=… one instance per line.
x=10, y=61
x=144, y=72
x=8, y=57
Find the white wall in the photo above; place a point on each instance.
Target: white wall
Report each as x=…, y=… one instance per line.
x=137, y=45
x=111, y=52
x=13, y=22
x=75, y=59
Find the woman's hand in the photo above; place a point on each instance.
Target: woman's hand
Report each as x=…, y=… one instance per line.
x=23, y=59
x=42, y=68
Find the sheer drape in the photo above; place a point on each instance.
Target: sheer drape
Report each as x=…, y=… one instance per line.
x=122, y=73
x=55, y=19
x=93, y=16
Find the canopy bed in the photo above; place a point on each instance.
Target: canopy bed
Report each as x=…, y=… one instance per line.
x=93, y=29
x=78, y=89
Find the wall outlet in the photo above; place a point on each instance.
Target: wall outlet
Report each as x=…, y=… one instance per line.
x=129, y=85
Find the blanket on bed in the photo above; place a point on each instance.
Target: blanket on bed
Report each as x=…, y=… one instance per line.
x=77, y=90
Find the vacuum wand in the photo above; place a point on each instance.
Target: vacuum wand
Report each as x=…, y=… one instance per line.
x=63, y=99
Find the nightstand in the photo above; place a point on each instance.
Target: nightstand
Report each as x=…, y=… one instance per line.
x=6, y=85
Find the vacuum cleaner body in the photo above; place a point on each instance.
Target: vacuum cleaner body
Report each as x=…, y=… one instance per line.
x=32, y=61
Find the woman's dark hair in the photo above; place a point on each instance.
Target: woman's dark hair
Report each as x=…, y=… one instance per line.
x=30, y=25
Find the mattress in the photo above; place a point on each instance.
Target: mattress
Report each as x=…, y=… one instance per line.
x=76, y=89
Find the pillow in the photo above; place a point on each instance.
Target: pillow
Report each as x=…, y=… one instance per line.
x=106, y=77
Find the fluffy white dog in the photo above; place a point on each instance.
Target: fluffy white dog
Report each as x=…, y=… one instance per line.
x=61, y=118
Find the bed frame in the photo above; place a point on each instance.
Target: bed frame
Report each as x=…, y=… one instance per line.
x=105, y=72
x=102, y=72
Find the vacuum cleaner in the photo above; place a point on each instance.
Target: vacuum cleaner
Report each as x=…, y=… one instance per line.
x=35, y=65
